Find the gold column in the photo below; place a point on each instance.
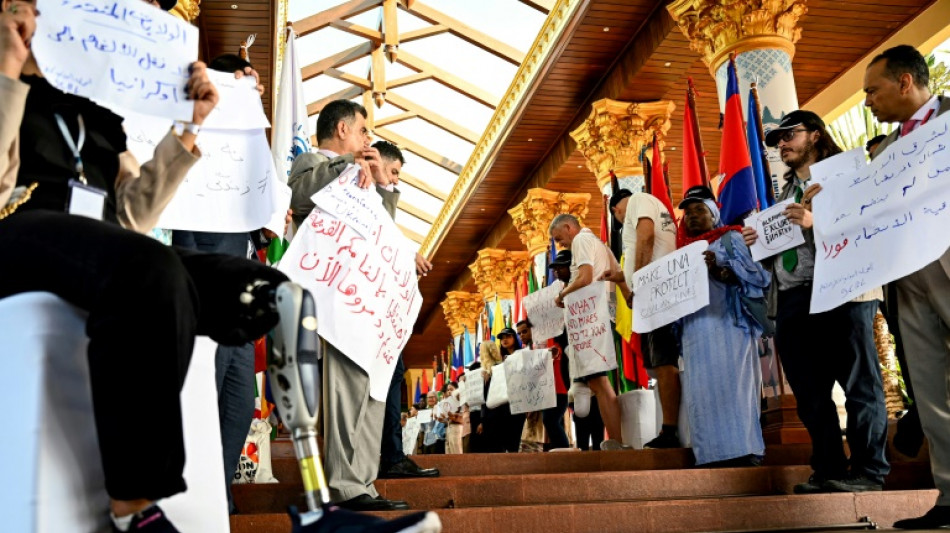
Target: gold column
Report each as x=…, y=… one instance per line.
x=187, y=10
x=534, y=214
x=495, y=272
x=716, y=28
x=461, y=311
x=615, y=133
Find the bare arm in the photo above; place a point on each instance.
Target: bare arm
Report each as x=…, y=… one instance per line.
x=584, y=277
x=645, y=240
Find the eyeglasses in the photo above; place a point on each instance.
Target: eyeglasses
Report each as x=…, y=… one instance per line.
x=788, y=135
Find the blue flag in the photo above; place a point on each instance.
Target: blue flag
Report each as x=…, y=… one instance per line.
x=737, y=190
x=418, y=395
x=469, y=349
x=760, y=166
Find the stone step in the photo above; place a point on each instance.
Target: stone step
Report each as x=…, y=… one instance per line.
x=570, y=488
x=749, y=513
x=285, y=467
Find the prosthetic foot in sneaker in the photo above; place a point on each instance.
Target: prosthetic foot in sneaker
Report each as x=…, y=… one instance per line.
x=332, y=519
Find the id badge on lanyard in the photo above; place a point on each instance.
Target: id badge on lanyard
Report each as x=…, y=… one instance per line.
x=83, y=199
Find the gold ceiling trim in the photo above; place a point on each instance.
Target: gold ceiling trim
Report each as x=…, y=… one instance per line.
x=472, y=173
x=280, y=41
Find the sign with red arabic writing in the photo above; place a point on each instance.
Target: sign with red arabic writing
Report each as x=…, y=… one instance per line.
x=361, y=271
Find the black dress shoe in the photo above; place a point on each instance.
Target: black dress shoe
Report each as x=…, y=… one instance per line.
x=407, y=468
x=854, y=483
x=936, y=518
x=365, y=502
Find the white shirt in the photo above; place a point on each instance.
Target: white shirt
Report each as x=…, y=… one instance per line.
x=587, y=249
x=932, y=107
x=643, y=205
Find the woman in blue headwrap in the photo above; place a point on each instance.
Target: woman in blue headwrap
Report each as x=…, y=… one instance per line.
x=722, y=378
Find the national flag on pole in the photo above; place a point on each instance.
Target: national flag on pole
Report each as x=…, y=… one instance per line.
x=694, y=159
x=469, y=348
x=604, y=228
x=658, y=186
x=737, y=189
x=552, y=254
x=425, y=382
x=760, y=165
x=290, y=135
x=418, y=395
x=498, y=321
x=438, y=373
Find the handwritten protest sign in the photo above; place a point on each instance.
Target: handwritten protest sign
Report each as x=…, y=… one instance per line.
x=123, y=52
x=474, y=388
x=447, y=406
x=410, y=435
x=776, y=232
x=232, y=188
x=239, y=104
x=588, y=329
x=530, y=376
x=424, y=416
x=880, y=222
x=670, y=288
x=364, y=284
x=547, y=319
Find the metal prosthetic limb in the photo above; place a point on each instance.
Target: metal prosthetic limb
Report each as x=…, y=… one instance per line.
x=295, y=382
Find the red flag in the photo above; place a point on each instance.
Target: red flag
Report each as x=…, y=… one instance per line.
x=439, y=373
x=633, y=368
x=424, y=387
x=604, y=229
x=658, y=186
x=694, y=160
x=737, y=190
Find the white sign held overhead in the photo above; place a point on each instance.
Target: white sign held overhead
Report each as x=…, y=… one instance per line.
x=239, y=104
x=123, y=52
x=547, y=319
x=530, y=376
x=775, y=231
x=364, y=285
x=670, y=288
x=589, y=331
x=880, y=222
x=474, y=388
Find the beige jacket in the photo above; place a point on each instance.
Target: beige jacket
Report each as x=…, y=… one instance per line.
x=141, y=192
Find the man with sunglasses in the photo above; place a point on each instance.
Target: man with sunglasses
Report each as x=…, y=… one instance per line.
x=818, y=349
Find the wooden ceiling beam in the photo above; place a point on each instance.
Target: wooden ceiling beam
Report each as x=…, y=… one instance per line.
x=467, y=33
x=433, y=118
x=449, y=80
x=346, y=94
x=408, y=80
x=326, y=17
x=394, y=119
x=419, y=150
x=336, y=60
x=422, y=186
x=362, y=83
x=360, y=31
x=411, y=234
x=544, y=6
x=415, y=35
x=410, y=209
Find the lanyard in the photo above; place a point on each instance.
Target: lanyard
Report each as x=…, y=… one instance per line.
x=75, y=146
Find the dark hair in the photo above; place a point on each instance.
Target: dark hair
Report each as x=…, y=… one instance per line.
x=524, y=322
x=825, y=146
x=905, y=59
x=389, y=151
x=618, y=196
x=445, y=388
x=874, y=141
x=332, y=114
x=228, y=63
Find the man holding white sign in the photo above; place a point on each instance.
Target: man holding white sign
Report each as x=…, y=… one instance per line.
x=896, y=84
x=590, y=257
x=846, y=352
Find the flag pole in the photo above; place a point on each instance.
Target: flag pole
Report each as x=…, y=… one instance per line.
x=758, y=125
x=697, y=138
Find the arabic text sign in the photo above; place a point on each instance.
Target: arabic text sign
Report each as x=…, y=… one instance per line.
x=123, y=52
x=589, y=331
x=424, y=416
x=231, y=189
x=474, y=388
x=670, y=288
x=410, y=434
x=239, y=104
x=880, y=222
x=365, y=288
x=547, y=319
x=776, y=232
x=360, y=209
x=530, y=376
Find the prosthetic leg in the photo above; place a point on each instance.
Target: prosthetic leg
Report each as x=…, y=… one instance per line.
x=293, y=365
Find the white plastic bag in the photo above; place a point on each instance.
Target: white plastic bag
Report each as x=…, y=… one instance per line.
x=255, y=465
x=498, y=387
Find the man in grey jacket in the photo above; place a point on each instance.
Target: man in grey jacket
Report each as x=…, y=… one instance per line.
x=351, y=419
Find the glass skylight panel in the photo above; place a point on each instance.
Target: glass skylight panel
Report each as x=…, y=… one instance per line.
x=434, y=138
x=449, y=103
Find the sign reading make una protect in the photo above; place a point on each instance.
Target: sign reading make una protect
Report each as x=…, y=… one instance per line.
x=670, y=288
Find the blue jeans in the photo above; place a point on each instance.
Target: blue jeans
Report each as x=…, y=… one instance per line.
x=817, y=350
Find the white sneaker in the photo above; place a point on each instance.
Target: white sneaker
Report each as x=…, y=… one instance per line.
x=611, y=445
x=581, y=393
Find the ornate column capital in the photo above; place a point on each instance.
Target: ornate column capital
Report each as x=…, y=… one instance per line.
x=534, y=214
x=615, y=133
x=496, y=270
x=716, y=28
x=187, y=10
x=461, y=310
